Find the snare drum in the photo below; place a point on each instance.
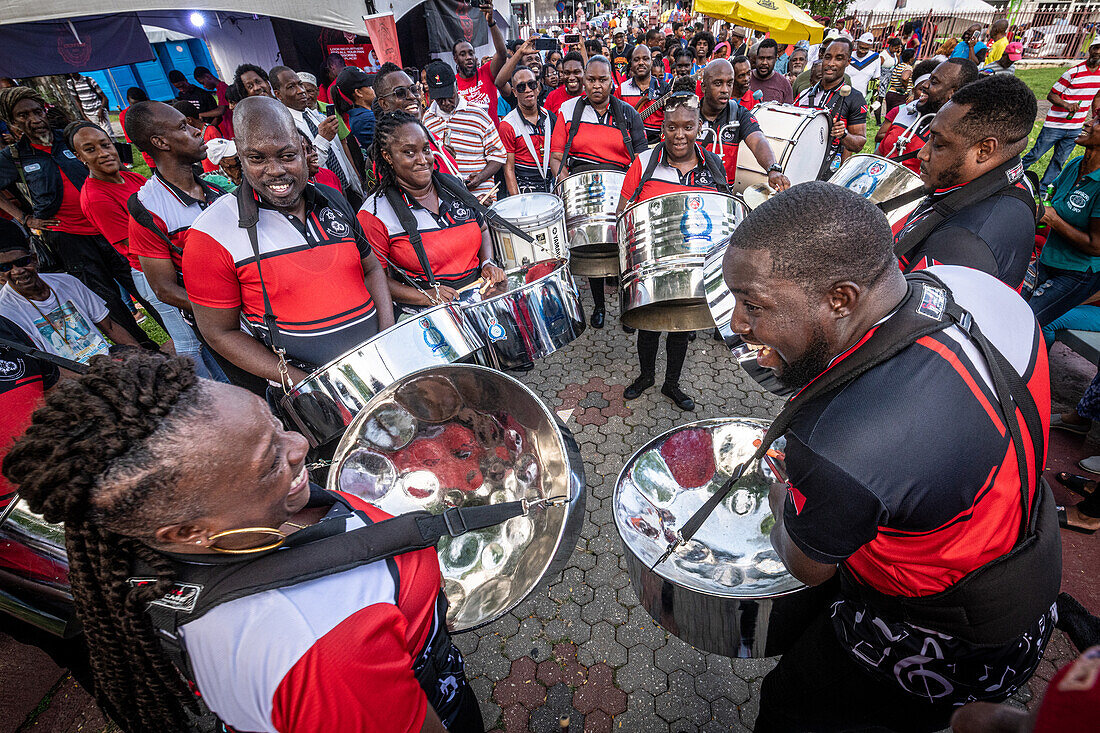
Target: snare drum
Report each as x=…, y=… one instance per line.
x=324, y=403
x=535, y=312
x=725, y=591
x=798, y=137
x=878, y=179
x=662, y=244
x=542, y=217
x=591, y=200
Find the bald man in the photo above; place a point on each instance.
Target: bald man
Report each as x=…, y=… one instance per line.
x=316, y=269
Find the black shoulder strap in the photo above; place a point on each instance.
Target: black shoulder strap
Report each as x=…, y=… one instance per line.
x=717, y=171
x=571, y=131
x=711, y=162
x=457, y=188
x=59, y=361
x=408, y=222
x=927, y=308
x=619, y=117
x=139, y=213
x=249, y=219
x=651, y=166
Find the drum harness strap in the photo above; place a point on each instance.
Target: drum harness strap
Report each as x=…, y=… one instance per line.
x=1002, y=179
x=929, y=308
x=617, y=117
x=203, y=583
x=455, y=187
x=519, y=123
x=711, y=161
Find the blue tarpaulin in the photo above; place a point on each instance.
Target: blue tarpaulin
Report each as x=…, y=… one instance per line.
x=60, y=46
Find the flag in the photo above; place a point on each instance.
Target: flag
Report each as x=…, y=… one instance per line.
x=451, y=21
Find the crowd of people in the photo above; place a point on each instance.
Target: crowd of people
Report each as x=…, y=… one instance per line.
x=289, y=218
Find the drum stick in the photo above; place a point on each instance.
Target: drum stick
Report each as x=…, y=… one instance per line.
x=490, y=194
x=844, y=91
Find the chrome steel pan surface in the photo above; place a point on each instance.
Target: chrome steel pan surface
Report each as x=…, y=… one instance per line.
x=324, y=404
x=535, y=312
x=663, y=242
x=591, y=200
x=464, y=435
x=726, y=591
x=877, y=179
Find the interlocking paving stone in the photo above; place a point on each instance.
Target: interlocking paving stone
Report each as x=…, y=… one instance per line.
x=559, y=702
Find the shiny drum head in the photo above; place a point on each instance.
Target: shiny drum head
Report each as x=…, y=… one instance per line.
x=666, y=481
x=464, y=435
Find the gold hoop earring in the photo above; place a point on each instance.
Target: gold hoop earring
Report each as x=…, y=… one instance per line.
x=270, y=531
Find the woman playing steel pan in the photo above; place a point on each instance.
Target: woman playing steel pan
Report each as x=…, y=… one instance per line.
x=424, y=226
x=679, y=163
x=175, y=493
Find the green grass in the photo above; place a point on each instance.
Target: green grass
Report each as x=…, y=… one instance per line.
x=1040, y=81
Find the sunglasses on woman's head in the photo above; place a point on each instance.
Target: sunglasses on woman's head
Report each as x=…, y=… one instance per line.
x=21, y=262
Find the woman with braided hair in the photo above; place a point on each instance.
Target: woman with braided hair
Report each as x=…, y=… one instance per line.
x=175, y=493
x=420, y=217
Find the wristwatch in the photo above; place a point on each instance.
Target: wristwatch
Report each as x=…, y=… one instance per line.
x=490, y=262
x=775, y=168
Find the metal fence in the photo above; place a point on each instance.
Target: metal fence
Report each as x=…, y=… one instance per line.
x=1050, y=34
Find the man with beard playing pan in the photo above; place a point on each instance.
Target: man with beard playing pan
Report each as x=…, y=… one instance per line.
x=947, y=553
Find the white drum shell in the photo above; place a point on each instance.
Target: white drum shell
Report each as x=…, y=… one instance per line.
x=799, y=140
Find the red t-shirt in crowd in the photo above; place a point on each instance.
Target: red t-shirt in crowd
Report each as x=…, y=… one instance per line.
x=327, y=178
x=70, y=217
x=900, y=119
x=209, y=133
x=480, y=89
x=556, y=98
x=104, y=203
x=225, y=127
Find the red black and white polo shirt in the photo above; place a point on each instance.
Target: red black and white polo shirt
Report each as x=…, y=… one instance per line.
x=313, y=273
x=731, y=136
x=597, y=142
x=666, y=178
x=640, y=99
x=173, y=212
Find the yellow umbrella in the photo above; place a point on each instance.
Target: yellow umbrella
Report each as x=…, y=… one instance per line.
x=785, y=22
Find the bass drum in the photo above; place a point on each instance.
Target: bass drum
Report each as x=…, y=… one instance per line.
x=533, y=313
x=591, y=200
x=463, y=435
x=726, y=591
x=542, y=217
x=323, y=404
x=798, y=137
x=878, y=179
x=662, y=244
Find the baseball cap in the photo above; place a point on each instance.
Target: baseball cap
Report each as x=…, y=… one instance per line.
x=441, y=80
x=1014, y=51
x=867, y=38
x=1095, y=40
x=351, y=78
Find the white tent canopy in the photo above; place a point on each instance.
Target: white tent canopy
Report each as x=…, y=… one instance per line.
x=342, y=15
x=921, y=7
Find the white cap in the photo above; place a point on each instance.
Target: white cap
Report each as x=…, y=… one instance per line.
x=307, y=77
x=867, y=38
x=219, y=148
x=1095, y=40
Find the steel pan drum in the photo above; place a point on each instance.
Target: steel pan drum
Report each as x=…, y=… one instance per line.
x=726, y=591
x=34, y=572
x=530, y=316
x=464, y=435
x=591, y=199
x=662, y=244
x=540, y=215
x=324, y=404
x=798, y=137
x=877, y=179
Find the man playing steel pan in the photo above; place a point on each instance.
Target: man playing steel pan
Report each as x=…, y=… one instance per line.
x=914, y=448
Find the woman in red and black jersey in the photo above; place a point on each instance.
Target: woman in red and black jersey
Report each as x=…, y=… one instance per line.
x=679, y=163
x=422, y=227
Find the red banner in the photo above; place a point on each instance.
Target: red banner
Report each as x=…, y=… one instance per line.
x=358, y=54
x=382, y=29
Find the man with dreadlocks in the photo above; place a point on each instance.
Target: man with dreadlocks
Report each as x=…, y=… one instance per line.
x=270, y=250
x=172, y=488
x=418, y=216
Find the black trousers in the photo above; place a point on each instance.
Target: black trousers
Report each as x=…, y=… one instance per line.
x=468, y=718
x=818, y=687
x=597, y=285
x=676, y=347
x=92, y=261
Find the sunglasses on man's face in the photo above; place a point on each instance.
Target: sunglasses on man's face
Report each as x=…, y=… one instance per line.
x=523, y=86
x=21, y=262
x=401, y=92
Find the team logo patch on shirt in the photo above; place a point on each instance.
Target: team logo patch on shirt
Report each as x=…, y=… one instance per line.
x=1078, y=200
x=332, y=223
x=933, y=302
x=182, y=597
x=11, y=369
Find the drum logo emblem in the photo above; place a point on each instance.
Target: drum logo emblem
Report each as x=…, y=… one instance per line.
x=876, y=168
x=496, y=331
x=11, y=369
x=433, y=337
x=864, y=184
x=695, y=223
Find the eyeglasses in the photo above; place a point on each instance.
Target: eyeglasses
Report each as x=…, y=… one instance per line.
x=401, y=92
x=523, y=86
x=21, y=262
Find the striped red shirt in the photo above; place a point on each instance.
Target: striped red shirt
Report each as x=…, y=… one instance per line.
x=470, y=133
x=1079, y=84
